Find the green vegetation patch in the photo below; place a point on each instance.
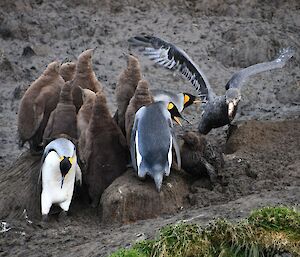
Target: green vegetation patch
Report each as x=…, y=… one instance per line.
x=266, y=232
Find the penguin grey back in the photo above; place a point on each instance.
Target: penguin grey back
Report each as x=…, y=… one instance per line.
x=154, y=133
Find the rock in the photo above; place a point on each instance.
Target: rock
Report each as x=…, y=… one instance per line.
x=129, y=199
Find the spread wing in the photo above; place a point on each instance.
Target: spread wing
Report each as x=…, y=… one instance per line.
x=240, y=77
x=172, y=57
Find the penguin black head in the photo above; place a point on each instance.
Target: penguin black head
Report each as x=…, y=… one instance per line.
x=65, y=165
x=174, y=113
x=189, y=99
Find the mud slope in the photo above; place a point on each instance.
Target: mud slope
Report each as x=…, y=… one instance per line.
x=262, y=156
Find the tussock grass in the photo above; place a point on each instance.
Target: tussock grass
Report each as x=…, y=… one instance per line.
x=266, y=232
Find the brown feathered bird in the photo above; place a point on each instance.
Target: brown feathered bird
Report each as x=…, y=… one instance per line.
x=199, y=157
x=126, y=85
x=67, y=71
x=38, y=102
x=83, y=118
x=62, y=121
x=84, y=77
x=141, y=97
x=105, y=152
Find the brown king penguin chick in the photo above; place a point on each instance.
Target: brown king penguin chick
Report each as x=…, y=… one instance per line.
x=62, y=121
x=106, y=152
x=83, y=119
x=141, y=97
x=38, y=102
x=84, y=77
x=67, y=70
x=126, y=85
x=199, y=157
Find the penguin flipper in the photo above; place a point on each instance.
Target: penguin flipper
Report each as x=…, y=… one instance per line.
x=78, y=175
x=38, y=112
x=177, y=150
x=133, y=135
x=132, y=144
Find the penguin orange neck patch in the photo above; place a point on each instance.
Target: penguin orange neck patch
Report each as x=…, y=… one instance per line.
x=186, y=98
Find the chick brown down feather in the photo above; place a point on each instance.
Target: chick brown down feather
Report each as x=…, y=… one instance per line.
x=67, y=70
x=105, y=152
x=83, y=119
x=84, y=77
x=126, y=85
x=62, y=121
x=38, y=102
x=141, y=97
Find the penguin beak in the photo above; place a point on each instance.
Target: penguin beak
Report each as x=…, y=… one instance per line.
x=197, y=102
x=62, y=181
x=177, y=120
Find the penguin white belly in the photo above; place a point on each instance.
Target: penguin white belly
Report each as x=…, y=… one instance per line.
x=52, y=192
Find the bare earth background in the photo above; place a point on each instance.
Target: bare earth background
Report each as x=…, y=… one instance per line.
x=263, y=167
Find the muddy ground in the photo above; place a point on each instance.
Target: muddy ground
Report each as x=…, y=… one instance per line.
x=262, y=157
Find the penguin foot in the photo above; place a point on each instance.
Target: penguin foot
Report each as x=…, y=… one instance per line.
x=62, y=215
x=45, y=218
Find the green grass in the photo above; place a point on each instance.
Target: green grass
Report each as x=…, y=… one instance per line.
x=266, y=232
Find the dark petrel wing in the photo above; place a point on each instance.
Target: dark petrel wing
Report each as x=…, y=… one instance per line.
x=172, y=57
x=238, y=79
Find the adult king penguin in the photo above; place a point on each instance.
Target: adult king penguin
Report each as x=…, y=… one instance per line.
x=58, y=172
x=217, y=110
x=152, y=138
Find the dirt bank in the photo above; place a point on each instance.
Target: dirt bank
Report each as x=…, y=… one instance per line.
x=262, y=160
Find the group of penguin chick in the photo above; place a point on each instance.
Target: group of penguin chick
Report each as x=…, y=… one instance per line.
x=64, y=114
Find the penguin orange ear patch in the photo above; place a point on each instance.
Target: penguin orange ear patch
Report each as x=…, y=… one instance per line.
x=186, y=98
x=170, y=106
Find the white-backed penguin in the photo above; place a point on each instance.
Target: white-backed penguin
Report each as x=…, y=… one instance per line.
x=181, y=100
x=58, y=173
x=217, y=110
x=152, y=138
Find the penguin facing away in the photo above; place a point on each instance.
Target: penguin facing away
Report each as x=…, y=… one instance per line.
x=58, y=173
x=152, y=138
x=62, y=121
x=126, y=85
x=105, y=153
x=84, y=77
x=38, y=102
x=83, y=119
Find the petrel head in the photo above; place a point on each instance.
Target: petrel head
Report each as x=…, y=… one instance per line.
x=233, y=96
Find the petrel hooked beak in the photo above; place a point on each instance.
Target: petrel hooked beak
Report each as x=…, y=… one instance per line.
x=230, y=109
